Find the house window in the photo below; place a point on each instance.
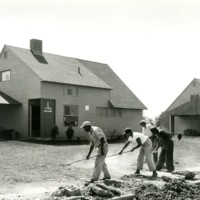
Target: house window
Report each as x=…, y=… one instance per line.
x=101, y=111
x=194, y=96
x=71, y=90
x=115, y=112
x=5, y=75
x=70, y=115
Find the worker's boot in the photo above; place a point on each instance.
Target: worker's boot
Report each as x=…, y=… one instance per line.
x=154, y=174
x=137, y=172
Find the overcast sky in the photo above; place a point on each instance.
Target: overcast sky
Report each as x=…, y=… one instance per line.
x=153, y=46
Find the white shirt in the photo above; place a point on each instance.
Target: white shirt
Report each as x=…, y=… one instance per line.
x=95, y=135
x=147, y=130
x=136, y=135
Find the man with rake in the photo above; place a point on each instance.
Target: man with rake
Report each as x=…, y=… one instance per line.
x=99, y=141
x=146, y=149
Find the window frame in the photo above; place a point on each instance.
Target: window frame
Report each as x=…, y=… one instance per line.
x=115, y=110
x=99, y=111
x=71, y=90
x=108, y=112
x=194, y=96
x=76, y=116
x=2, y=72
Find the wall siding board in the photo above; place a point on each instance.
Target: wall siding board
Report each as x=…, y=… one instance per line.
x=93, y=97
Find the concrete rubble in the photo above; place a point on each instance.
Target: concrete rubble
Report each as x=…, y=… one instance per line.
x=133, y=187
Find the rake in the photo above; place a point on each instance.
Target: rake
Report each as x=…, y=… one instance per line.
x=94, y=157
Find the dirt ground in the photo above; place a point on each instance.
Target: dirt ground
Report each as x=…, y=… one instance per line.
x=32, y=171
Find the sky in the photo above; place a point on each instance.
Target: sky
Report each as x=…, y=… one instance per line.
x=152, y=45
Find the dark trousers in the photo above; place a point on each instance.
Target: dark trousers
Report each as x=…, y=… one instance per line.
x=166, y=156
x=155, y=157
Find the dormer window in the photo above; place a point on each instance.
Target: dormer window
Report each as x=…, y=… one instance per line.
x=193, y=97
x=5, y=76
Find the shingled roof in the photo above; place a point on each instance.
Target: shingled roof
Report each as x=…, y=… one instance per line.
x=74, y=71
x=121, y=96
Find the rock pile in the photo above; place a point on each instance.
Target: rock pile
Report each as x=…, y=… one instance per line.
x=137, y=187
x=187, y=174
x=102, y=190
x=66, y=193
x=173, y=189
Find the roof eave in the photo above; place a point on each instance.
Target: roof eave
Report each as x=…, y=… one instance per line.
x=113, y=105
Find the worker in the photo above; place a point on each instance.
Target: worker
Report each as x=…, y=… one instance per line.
x=99, y=141
x=146, y=149
x=154, y=140
x=167, y=150
x=147, y=130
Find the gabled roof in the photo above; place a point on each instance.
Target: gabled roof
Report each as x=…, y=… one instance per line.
x=194, y=81
x=60, y=69
x=74, y=71
x=188, y=108
x=121, y=96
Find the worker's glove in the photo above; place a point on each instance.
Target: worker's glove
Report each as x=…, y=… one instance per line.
x=88, y=157
x=132, y=149
x=155, y=151
x=120, y=153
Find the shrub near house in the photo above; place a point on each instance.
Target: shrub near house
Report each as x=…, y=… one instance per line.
x=191, y=132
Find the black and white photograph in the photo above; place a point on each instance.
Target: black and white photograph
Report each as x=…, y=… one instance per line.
x=100, y=99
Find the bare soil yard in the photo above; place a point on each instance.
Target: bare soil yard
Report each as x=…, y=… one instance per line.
x=31, y=171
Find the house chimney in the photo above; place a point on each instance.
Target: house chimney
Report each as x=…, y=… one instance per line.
x=36, y=47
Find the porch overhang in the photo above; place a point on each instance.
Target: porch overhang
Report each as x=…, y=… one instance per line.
x=7, y=100
x=189, y=108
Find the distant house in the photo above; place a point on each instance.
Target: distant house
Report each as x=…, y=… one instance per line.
x=184, y=112
x=39, y=90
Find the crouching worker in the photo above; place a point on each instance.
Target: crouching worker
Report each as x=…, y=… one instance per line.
x=146, y=149
x=99, y=141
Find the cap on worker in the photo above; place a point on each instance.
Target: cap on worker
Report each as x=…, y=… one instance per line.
x=143, y=121
x=86, y=123
x=126, y=129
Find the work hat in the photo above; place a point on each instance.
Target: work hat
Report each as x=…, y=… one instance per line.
x=86, y=123
x=154, y=130
x=126, y=129
x=143, y=121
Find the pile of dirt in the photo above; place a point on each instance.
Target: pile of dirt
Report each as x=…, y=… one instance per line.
x=140, y=187
x=189, y=175
x=174, y=189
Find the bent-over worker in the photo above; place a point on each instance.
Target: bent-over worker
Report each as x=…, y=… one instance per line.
x=146, y=149
x=99, y=141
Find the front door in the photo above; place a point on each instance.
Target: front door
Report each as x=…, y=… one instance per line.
x=47, y=116
x=34, y=118
x=41, y=117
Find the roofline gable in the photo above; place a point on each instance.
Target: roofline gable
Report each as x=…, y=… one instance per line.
x=195, y=79
x=7, y=46
x=101, y=84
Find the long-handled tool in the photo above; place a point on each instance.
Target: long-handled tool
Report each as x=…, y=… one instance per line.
x=118, y=154
x=78, y=161
x=94, y=157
